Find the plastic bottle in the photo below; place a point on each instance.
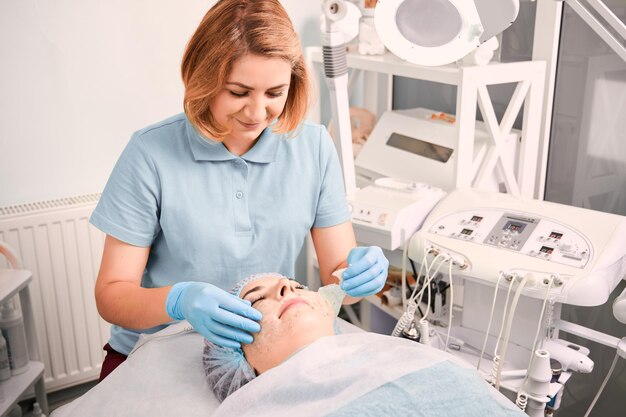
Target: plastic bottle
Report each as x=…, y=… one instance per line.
x=37, y=411
x=369, y=41
x=12, y=327
x=5, y=368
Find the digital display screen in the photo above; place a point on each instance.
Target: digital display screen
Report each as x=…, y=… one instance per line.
x=420, y=147
x=466, y=232
x=546, y=249
x=514, y=226
x=556, y=235
x=477, y=219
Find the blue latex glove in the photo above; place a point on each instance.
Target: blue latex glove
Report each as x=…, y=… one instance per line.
x=366, y=273
x=219, y=316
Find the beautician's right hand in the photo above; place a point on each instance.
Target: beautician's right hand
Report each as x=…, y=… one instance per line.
x=220, y=317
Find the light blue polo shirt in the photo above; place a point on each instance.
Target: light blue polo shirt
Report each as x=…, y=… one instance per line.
x=212, y=216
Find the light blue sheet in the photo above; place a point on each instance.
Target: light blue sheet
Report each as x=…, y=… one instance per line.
x=443, y=389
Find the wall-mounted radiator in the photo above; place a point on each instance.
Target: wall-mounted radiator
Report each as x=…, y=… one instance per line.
x=56, y=242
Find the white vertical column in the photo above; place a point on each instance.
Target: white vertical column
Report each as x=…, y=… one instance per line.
x=533, y=155
x=466, y=127
x=546, y=48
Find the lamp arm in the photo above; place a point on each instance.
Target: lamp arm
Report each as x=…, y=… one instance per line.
x=336, y=75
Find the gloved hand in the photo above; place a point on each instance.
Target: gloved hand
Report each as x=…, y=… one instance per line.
x=366, y=273
x=220, y=317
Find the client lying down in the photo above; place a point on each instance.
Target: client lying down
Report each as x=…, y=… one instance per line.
x=298, y=362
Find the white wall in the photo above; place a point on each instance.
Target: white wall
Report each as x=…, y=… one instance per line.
x=78, y=77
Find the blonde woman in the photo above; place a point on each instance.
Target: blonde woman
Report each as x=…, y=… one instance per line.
x=230, y=187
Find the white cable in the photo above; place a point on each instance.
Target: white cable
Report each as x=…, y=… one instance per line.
x=427, y=283
x=521, y=401
x=504, y=312
x=405, y=255
x=509, y=325
x=405, y=319
x=495, y=366
x=543, y=309
x=424, y=264
x=451, y=303
x=409, y=305
x=429, y=277
x=549, y=321
x=606, y=379
x=493, y=306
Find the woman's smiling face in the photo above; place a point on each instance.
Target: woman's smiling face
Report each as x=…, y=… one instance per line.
x=293, y=317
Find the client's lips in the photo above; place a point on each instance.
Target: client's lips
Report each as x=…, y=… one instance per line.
x=289, y=303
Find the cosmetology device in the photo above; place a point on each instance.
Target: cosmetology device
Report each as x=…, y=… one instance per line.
x=516, y=258
x=490, y=234
x=421, y=145
x=389, y=211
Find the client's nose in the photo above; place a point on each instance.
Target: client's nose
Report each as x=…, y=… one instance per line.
x=284, y=288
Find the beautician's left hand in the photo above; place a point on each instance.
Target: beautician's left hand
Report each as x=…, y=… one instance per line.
x=366, y=273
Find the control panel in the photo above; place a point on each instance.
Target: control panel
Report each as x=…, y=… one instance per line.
x=532, y=236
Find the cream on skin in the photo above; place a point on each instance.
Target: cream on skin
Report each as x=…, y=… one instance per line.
x=254, y=96
x=293, y=317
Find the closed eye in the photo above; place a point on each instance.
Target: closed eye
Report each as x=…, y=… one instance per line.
x=258, y=299
x=270, y=94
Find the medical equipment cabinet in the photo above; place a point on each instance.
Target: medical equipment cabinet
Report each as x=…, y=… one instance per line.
x=13, y=282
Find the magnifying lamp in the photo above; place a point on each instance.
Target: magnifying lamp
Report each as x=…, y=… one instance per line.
x=438, y=32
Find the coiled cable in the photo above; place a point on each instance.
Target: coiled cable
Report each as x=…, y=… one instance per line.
x=521, y=401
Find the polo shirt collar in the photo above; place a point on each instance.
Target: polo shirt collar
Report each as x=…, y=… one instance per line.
x=206, y=149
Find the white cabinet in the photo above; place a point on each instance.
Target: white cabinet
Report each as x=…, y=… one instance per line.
x=12, y=282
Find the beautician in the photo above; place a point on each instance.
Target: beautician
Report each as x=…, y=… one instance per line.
x=229, y=188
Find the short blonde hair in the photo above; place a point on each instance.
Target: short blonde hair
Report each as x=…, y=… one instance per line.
x=230, y=30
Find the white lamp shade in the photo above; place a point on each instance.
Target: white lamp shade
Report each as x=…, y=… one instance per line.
x=428, y=32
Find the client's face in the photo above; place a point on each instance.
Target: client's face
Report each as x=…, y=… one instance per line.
x=292, y=318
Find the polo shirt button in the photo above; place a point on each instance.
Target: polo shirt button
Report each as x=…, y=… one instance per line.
x=238, y=161
x=239, y=194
